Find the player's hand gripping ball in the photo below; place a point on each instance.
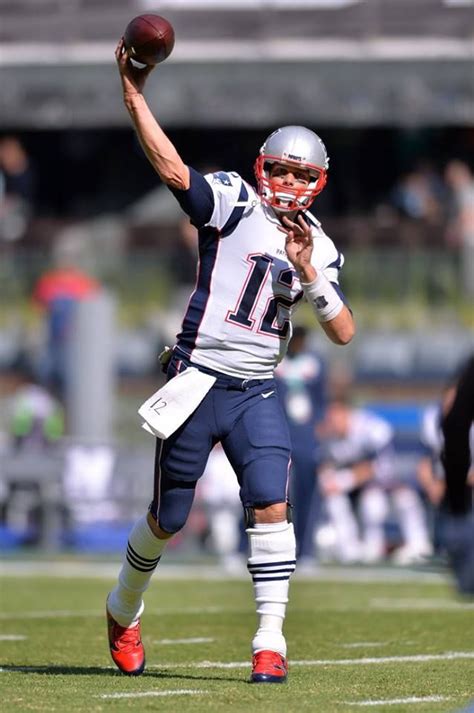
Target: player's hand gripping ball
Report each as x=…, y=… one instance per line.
x=149, y=39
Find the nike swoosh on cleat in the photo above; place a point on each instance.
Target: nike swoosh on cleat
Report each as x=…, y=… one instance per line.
x=269, y=393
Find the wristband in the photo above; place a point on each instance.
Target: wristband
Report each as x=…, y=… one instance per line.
x=323, y=298
x=345, y=479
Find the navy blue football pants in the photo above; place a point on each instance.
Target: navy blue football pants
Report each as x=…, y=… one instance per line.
x=247, y=418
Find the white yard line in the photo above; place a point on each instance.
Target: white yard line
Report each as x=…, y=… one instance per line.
x=49, y=614
x=401, y=701
x=12, y=637
x=66, y=613
x=436, y=604
x=365, y=644
x=109, y=570
x=149, y=694
x=195, y=640
x=420, y=658
x=377, y=603
x=43, y=669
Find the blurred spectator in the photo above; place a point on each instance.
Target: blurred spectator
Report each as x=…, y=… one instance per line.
x=418, y=196
x=17, y=186
x=35, y=422
x=301, y=381
x=359, y=483
x=460, y=230
x=58, y=291
x=184, y=253
x=36, y=418
x=430, y=471
x=218, y=490
x=88, y=483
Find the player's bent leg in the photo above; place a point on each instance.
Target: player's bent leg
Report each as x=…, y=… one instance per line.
x=125, y=603
x=271, y=562
x=258, y=447
x=413, y=525
x=342, y=517
x=145, y=547
x=373, y=510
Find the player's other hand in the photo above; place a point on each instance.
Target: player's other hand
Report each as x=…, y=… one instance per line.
x=133, y=78
x=299, y=242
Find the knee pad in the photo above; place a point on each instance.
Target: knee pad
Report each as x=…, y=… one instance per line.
x=176, y=499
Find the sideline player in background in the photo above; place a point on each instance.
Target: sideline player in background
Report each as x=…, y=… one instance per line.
x=301, y=381
x=362, y=474
x=256, y=263
x=456, y=457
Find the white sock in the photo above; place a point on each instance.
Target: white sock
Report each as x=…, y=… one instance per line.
x=144, y=550
x=412, y=520
x=373, y=511
x=224, y=525
x=271, y=562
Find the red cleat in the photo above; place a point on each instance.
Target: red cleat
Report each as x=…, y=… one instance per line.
x=126, y=647
x=269, y=667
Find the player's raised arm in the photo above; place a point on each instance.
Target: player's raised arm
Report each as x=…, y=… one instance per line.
x=159, y=150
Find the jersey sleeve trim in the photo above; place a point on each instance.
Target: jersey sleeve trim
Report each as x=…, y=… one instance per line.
x=237, y=212
x=198, y=200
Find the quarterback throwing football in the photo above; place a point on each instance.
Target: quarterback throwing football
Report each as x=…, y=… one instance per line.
x=261, y=253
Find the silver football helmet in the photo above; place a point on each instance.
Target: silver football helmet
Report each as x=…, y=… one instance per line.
x=297, y=147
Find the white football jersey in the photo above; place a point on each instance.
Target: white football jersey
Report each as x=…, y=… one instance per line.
x=369, y=438
x=238, y=317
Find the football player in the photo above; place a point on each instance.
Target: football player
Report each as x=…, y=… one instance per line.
x=457, y=425
x=362, y=472
x=260, y=253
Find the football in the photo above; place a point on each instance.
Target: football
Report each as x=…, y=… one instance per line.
x=149, y=39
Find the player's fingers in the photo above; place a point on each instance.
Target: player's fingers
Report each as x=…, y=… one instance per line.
x=288, y=223
x=119, y=49
x=305, y=228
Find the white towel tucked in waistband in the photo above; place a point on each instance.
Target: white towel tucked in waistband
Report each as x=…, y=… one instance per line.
x=171, y=405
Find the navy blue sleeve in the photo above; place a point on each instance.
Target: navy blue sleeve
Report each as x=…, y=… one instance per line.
x=198, y=200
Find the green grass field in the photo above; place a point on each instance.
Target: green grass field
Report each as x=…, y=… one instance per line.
x=353, y=645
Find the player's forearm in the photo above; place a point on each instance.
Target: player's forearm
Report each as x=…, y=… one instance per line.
x=330, y=310
x=158, y=148
x=363, y=472
x=341, y=328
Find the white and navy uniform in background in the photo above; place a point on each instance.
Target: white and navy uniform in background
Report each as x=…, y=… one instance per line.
x=370, y=438
x=432, y=439
x=301, y=381
x=361, y=537
x=237, y=327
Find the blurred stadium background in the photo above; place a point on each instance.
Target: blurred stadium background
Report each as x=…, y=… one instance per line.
x=388, y=84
